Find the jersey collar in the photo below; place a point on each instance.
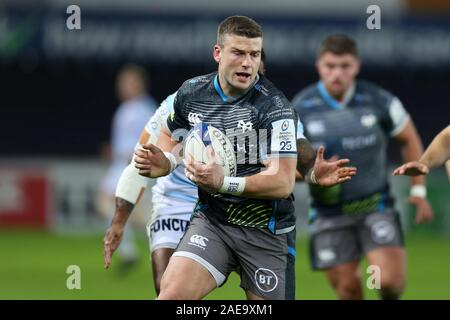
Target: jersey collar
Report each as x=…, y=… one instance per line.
x=332, y=102
x=226, y=98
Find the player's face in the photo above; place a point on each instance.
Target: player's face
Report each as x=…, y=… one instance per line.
x=239, y=59
x=337, y=72
x=129, y=86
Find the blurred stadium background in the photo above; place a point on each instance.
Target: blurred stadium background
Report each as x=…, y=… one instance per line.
x=58, y=97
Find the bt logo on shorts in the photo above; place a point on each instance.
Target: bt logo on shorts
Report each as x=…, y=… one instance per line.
x=266, y=280
x=198, y=241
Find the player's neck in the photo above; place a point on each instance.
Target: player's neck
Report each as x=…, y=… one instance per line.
x=344, y=96
x=230, y=91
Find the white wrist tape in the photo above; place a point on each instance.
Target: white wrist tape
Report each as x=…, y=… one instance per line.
x=418, y=190
x=172, y=160
x=130, y=184
x=233, y=185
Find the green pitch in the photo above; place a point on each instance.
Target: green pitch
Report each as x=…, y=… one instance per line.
x=33, y=266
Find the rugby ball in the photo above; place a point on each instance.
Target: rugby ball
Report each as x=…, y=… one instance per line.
x=203, y=135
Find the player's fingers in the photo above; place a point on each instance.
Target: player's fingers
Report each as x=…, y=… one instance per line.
x=320, y=152
x=211, y=155
x=140, y=156
x=145, y=173
x=397, y=171
x=107, y=255
x=190, y=167
x=342, y=162
x=189, y=158
x=153, y=148
x=189, y=175
x=344, y=179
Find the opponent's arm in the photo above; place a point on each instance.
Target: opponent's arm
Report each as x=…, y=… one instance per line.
x=437, y=153
x=411, y=148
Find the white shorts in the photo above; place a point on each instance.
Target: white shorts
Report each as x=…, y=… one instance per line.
x=167, y=231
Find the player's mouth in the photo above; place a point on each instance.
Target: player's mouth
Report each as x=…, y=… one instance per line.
x=243, y=76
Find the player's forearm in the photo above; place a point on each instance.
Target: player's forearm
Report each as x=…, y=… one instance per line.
x=123, y=211
x=269, y=187
x=438, y=152
x=411, y=148
x=131, y=185
x=277, y=182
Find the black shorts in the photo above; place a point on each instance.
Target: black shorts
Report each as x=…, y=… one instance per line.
x=265, y=261
x=343, y=239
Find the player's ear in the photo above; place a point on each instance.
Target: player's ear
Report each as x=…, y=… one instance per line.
x=216, y=52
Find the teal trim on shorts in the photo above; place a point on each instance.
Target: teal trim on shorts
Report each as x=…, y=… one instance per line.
x=292, y=251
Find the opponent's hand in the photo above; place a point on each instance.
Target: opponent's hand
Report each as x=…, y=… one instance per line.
x=332, y=172
x=413, y=168
x=111, y=242
x=424, y=212
x=151, y=161
x=207, y=176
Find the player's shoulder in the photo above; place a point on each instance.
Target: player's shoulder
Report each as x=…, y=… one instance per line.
x=269, y=96
x=196, y=86
x=306, y=98
x=373, y=93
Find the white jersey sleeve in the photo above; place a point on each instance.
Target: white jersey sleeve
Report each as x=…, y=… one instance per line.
x=399, y=116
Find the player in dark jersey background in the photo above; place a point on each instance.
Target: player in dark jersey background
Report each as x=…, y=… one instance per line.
x=354, y=119
x=244, y=223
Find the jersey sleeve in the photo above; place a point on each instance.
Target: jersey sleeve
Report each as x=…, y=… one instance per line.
x=176, y=119
x=398, y=117
x=281, y=124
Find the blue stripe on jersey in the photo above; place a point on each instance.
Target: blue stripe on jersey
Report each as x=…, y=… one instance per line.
x=181, y=195
x=219, y=89
x=181, y=180
x=332, y=102
x=292, y=252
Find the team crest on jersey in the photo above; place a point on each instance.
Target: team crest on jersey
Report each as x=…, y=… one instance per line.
x=245, y=126
x=194, y=118
x=278, y=102
x=368, y=120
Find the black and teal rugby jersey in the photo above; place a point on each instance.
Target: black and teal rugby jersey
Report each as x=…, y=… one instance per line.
x=358, y=129
x=260, y=123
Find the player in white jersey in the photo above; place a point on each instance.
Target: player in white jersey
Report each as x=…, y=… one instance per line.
x=129, y=118
x=173, y=198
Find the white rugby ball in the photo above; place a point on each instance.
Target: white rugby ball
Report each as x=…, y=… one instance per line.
x=203, y=135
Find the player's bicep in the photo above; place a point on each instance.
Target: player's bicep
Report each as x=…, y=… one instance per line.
x=283, y=140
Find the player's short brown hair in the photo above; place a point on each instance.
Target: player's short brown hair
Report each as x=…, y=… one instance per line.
x=339, y=44
x=240, y=26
